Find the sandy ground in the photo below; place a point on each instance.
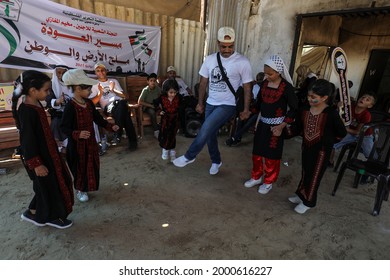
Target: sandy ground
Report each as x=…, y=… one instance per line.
x=209, y=217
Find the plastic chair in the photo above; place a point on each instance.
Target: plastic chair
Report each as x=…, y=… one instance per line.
x=377, y=163
x=376, y=116
x=382, y=192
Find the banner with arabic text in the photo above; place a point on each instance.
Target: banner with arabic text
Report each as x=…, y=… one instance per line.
x=39, y=34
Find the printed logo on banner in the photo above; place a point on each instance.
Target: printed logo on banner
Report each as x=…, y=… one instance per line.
x=10, y=9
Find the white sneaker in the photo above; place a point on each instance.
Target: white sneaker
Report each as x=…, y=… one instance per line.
x=82, y=196
x=253, y=182
x=265, y=188
x=214, y=169
x=182, y=161
x=156, y=133
x=301, y=208
x=295, y=199
x=164, y=154
x=172, y=155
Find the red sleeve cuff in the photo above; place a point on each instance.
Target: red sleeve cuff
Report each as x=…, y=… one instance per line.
x=76, y=134
x=34, y=162
x=288, y=120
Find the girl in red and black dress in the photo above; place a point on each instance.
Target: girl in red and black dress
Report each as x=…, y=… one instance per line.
x=321, y=126
x=77, y=123
x=277, y=104
x=52, y=181
x=169, y=104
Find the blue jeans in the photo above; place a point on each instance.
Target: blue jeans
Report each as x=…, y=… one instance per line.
x=368, y=142
x=215, y=117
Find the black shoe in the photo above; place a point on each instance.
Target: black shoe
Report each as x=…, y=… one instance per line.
x=116, y=140
x=60, y=223
x=229, y=142
x=236, y=142
x=30, y=217
x=365, y=180
x=133, y=146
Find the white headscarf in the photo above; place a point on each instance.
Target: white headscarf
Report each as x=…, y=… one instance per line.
x=58, y=86
x=276, y=63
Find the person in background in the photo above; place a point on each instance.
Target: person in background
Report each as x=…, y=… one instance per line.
x=148, y=95
x=56, y=101
x=169, y=106
x=243, y=126
x=321, y=125
x=277, y=104
x=306, y=78
x=360, y=117
x=109, y=94
x=171, y=75
x=189, y=100
x=221, y=102
x=77, y=123
x=52, y=182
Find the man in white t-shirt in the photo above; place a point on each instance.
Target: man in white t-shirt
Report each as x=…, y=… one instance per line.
x=109, y=94
x=221, y=102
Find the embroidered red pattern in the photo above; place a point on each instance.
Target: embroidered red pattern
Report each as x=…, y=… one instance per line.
x=271, y=95
x=34, y=162
x=314, y=127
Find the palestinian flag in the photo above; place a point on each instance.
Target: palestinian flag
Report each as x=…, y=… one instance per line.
x=134, y=40
x=141, y=35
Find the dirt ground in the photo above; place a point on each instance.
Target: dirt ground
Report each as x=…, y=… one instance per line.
x=209, y=217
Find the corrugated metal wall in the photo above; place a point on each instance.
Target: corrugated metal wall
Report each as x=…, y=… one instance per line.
x=233, y=13
x=182, y=41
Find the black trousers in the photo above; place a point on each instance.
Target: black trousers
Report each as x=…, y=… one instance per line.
x=120, y=112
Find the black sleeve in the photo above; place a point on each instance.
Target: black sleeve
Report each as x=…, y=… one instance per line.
x=49, y=98
x=68, y=121
x=29, y=129
x=338, y=125
x=292, y=101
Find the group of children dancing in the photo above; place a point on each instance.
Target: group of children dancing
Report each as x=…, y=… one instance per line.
x=54, y=178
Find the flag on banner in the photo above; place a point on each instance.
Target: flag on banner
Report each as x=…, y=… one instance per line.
x=134, y=40
x=141, y=35
x=148, y=51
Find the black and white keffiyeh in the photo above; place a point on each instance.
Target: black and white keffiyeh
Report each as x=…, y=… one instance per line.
x=276, y=63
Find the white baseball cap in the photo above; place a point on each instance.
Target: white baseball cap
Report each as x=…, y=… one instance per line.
x=171, y=68
x=100, y=64
x=226, y=31
x=77, y=77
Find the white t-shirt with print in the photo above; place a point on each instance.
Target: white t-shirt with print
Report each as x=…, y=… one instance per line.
x=237, y=69
x=108, y=96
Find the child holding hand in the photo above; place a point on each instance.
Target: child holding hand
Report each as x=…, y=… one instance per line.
x=321, y=126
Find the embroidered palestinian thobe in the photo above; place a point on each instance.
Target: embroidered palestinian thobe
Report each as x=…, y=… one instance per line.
x=319, y=135
x=53, y=197
x=83, y=154
x=170, y=121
